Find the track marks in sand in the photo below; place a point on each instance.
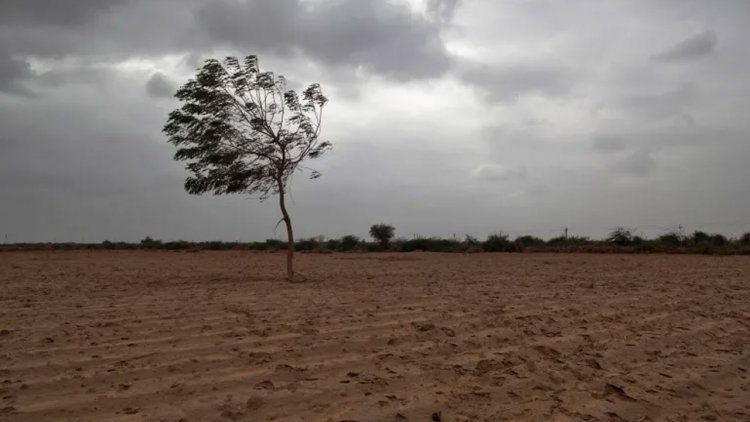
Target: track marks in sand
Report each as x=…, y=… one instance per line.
x=214, y=336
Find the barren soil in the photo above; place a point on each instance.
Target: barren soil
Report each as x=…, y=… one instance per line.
x=216, y=336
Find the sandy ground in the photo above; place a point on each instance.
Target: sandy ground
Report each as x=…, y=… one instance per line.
x=213, y=336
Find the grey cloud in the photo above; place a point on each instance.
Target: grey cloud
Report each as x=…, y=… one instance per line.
x=96, y=163
x=501, y=173
x=508, y=83
x=384, y=38
x=13, y=73
x=609, y=143
x=160, y=86
x=696, y=46
x=640, y=163
x=79, y=75
x=442, y=10
x=65, y=13
x=655, y=106
x=381, y=37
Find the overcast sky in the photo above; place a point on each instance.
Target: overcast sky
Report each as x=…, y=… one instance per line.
x=447, y=116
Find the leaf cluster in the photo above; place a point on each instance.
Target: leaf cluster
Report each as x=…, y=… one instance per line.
x=241, y=131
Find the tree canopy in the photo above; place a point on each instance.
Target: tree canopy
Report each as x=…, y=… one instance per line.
x=242, y=131
x=383, y=233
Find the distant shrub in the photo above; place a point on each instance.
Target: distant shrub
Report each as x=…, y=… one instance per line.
x=671, y=239
x=699, y=238
x=745, y=239
x=111, y=245
x=621, y=237
x=569, y=241
x=524, y=242
x=471, y=245
x=149, y=243
x=179, y=245
x=718, y=240
x=307, y=244
x=431, y=245
x=275, y=245
x=349, y=243
x=333, y=244
x=498, y=243
x=383, y=233
x=218, y=245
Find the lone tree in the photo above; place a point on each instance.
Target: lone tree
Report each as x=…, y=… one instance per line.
x=383, y=233
x=242, y=131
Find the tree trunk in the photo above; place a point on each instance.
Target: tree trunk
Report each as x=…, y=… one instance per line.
x=290, y=237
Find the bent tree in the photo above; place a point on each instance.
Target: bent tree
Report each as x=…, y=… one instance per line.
x=242, y=131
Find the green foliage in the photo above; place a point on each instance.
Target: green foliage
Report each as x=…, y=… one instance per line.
x=149, y=243
x=111, y=245
x=569, y=241
x=383, y=233
x=717, y=239
x=349, y=243
x=307, y=244
x=699, y=238
x=524, y=242
x=179, y=245
x=621, y=237
x=431, y=245
x=745, y=239
x=333, y=244
x=498, y=243
x=671, y=240
x=242, y=131
x=275, y=245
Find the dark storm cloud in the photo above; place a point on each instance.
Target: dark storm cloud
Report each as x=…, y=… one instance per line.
x=160, y=86
x=508, y=83
x=382, y=37
x=694, y=47
x=62, y=13
x=13, y=73
x=76, y=75
x=602, y=131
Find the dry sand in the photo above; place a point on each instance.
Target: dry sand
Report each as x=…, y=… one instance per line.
x=213, y=336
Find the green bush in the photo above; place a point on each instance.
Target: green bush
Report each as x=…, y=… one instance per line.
x=149, y=243
x=431, y=245
x=569, y=241
x=523, y=242
x=275, y=245
x=718, y=240
x=307, y=244
x=349, y=243
x=498, y=243
x=383, y=233
x=621, y=237
x=671, y=239
x=699, y=238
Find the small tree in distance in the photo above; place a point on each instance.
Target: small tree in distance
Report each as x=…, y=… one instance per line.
x=241, y=131
x=383, y=233
x=349, y=242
